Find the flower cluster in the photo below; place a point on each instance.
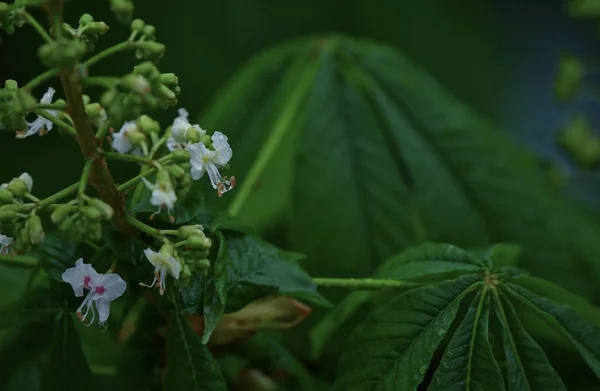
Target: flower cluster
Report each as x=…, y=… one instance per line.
x=102, y=289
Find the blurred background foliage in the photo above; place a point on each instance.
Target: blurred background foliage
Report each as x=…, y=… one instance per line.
x=499, y=58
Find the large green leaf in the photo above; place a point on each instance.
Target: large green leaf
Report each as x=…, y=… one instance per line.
x=257, y=269
x=190, y=366
x=585, y=335
x=68, y=367
x=468, y=362
x=57, y=254
x=528, y=366
x=215, y=290
x=393, y=347
x=375, y=155
x=36, y=305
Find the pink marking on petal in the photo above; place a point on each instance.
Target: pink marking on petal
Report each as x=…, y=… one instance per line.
x=100, y=289
x=86, y=281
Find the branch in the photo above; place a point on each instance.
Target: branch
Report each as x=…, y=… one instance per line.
x=364, y=283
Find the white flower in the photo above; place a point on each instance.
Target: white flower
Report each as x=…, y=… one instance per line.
x=179, y=130
x=120, y=141
x=103, y=288
x=162, y=196
x=163, y=264
x=5, y=243
x=40, y=122
x=204, y=160
x=99, y=120
x=28, y=180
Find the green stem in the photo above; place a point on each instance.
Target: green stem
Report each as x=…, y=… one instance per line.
x=364, y=283
x=155, y=232
x=39, y=79
x=38, y=27
x=18, y=261
x=92, y=245
x=51, y=106
x=103, y=81
x=127, y=158
x=58, y=196
x=31, y=197
x=168, y=232
x=109, y=52
x=85, y=174
x=55, y=14
x=280, y=130
x=58, y=122
x=102, y=131
x=135, y=179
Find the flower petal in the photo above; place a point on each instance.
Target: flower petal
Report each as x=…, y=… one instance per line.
x=76, y=276
x=103, y=307
x=223, y=150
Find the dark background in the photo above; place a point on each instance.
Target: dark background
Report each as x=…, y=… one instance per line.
x=500, y=57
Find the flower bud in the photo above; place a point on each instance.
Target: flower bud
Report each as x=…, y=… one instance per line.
x=180, y=155
x=96, y=114
x=176, y=171
x=18, y=188
x=202, y=264
x=186, y=231
x=136, y=137
x=137, y=25
x=23, y=239
x=148, y=125
x=8, y=212
x=151, y=48
x=186, y=272
x=60, y=213
x=165, y=93
x=206, y=140
x=95, y=232
x=149, y=31
x=85, y=19
x=11, y=84
x=176, y=90
x=36, y=230
x=66, y=224
x=136, y=83
x=91, y=213
x=105, y=210
x=198, y=242
x=99, y=28
x=6, y=196
x=193, y=135
x=169, y=79
x=62, y=52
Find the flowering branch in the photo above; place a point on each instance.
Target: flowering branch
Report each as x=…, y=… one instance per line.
x=120, y=47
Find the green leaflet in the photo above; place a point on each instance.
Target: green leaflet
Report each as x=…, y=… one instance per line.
x=257, y=269
x=56, y=255
x=190, y=366
x=583, y=334
x=35, y=305
x=68, y=368
x=391, y=349
x=468, y=362
x=528, y=366
x=215, y=290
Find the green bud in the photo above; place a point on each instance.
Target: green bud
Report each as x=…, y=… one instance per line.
x=85, y=19
x=108, y=97
x=149, y=31
x=169, y=79
x=198, y=242
x=176, y=171
x=148, y=125
x=93, y=109
x=60, y=213
x=36, y=230
x=99, y=28
x=11, y=84
x=144, y=68
x=186, y=272
x=105, y=210
x=153, y=49
x=91, y=213
x=23, y=239
x=186, y=231
x=202, y=264
x=180, y=155
x=18, y=187
x=66, y=224
x=165, y=93
x=95, y=232
x=570, y=75
x=6, y=196
x=136, y=83
x=176, y=90
x=4, y=9
x=137, y=25
x=7, y=214
x=136, y=137
x=167, y=249
x=62, y=52
x=206, y=140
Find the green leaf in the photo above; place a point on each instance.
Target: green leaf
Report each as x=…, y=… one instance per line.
x=528, y=367
x=36, y=305
x=503, y=254
x=187, y=208
x=68, y=367
x=584, y=335
x=190, y=366
x=56, y=255
x=392, y=348
x=215, y=290
x=468, y=362
x=257, y=269
x=429, y=261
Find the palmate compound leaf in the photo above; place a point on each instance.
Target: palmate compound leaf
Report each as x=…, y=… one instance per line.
x=392, y=348
x=468, y=362
x=190, y=365
x=528, y=366
x=372, y=155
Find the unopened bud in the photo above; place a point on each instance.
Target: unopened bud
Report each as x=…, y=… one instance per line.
x=23, y=239
x=169, y=79
x=36, y=230
x=176, y=90
x=95, y=232
x=60, y=213
x=91, y=213
x=8, y=212
x=6, y=196
x=167, y=249
x=137, y=25
x=185, y=272
x=186, y=231
x=96, y=28
x=165, y=93
x=136, y=83
x=66, y=224
x=180, y=155
x=85, y=19
x=193, y=135
x=198, y=242
x=135, y=137
x=149, y=31
x=96, y=114
x=11, y=84
x=154, y=49
x=105, y=210
x=202, y=264
x=148, y=125
x=18, y=188
x=206, y=140
x=176, y=171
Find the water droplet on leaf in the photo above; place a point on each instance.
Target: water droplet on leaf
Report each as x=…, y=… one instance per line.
x=422, y=369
